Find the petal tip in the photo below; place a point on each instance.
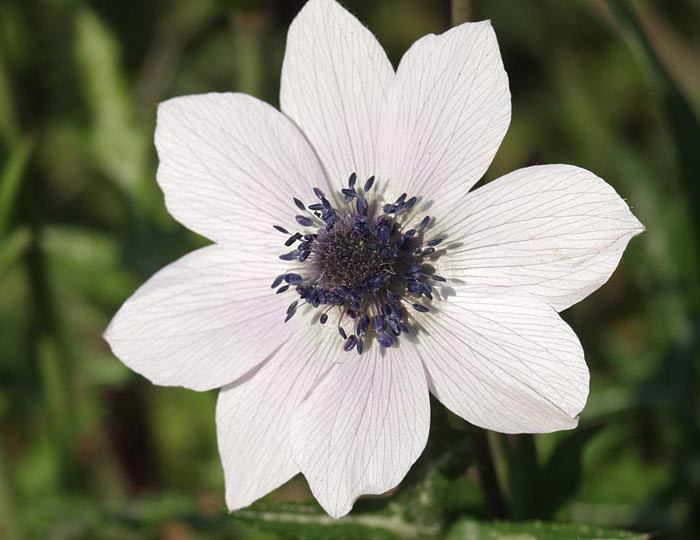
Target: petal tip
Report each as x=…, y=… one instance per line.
x=165, y=107
x=572, y=423
x=319, y=5
x=638, y=227
x=107, y=333
x=234, y=502
x=338, y=508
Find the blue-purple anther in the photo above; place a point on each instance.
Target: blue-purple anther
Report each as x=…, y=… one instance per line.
x=358, y=260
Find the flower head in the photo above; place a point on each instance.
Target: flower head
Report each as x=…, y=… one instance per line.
x=353, y=270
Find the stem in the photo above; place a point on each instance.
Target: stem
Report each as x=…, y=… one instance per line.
x=57, y=405
x=461, y=11
x=522, y=470
x=249, y=36
x=487, y=475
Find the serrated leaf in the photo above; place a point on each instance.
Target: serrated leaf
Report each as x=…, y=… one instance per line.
x=467, y=529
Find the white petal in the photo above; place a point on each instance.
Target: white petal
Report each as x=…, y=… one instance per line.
x=448, y=111
x=254, y=413
x=230, y=165
x=334, y=78
x=363, y=427
x=504, y=362
x=202, y=321
x=554, y=231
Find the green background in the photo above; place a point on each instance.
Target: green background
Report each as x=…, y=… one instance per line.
x=89, y=450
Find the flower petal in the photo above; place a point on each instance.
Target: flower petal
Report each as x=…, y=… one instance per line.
x=504, y=362
x=253, y=415
x=448, y=111
x=202, y=321
x=230, y=165
x=334, y=78
x=362, y=428
x=554, y=231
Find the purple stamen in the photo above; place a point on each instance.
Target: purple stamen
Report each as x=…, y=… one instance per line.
x=293, y=279
x=357, y=258
x=304, y=221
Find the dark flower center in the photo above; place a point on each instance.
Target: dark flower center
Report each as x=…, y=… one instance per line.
x=345, y=256
x=361, y=261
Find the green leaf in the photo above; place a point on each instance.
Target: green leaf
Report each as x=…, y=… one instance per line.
x=88, y=261
x=119, y=146
x=467, y=529
x=560, y=478
x=13, y=247
x=10, y=180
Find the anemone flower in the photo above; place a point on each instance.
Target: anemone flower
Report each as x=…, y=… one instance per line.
x=353, y=270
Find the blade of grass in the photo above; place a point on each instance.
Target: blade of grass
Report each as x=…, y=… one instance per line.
x=119, y=146
x=57, y=405
x=11, y=179
x=13, y=247
x=50, y=345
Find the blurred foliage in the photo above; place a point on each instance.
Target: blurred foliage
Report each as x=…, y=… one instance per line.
x=90, y=450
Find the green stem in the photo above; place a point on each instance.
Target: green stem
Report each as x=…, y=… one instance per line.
x=488, y=475
x=249, y=29
x=461, y=11
x=57, y=406
x=521, y=459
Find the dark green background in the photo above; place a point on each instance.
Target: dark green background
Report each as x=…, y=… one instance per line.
x=90, y=450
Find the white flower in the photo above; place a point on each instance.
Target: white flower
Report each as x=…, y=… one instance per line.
x=491, y=345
